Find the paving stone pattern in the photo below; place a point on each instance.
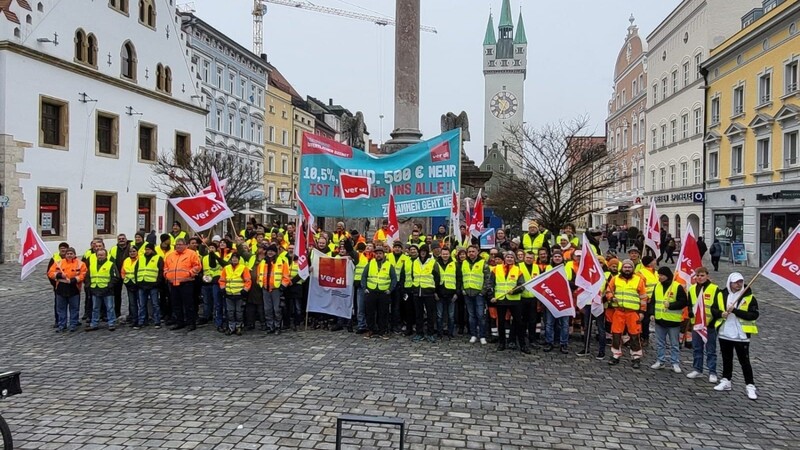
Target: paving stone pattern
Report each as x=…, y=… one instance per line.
x=203, y=390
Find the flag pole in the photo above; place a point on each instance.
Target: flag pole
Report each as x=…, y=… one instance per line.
x=235, y=233
x=588, y=331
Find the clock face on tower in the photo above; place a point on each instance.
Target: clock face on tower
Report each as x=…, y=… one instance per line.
x=503, y=105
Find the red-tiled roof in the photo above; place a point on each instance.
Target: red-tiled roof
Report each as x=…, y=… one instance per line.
x=10, y=15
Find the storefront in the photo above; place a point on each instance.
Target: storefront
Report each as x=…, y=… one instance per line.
x=728, y=228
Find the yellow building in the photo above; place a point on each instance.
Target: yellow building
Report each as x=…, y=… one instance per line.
x=752, y=125
x=278, y=146
x=304, y=121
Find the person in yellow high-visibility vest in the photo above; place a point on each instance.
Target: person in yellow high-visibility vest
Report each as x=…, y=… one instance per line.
x=531, y=315
x=666, y=304
x=379, y=279
x=505, y=286
x=149, y=276
x=707, y=292
x=128, y=275
x=426, y=276
x=472, y=277
x=273, y=277
x=648, y=273
x=534, y=240
x=446, y=304
x=402, y=310
x=103, y=275
x=236, y=282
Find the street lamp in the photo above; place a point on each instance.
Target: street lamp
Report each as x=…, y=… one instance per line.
x=283, y=194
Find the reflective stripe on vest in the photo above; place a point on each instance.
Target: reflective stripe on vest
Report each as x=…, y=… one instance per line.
x=100, y=276
x=670, y=315
x=448, y=274
x=627, y=292
x=211, y=271
x=748, y=326
x=362, y=264
x=129, y=266
x=379, y=278
x=234, y=282
x=423, y=274
x=528, y=276
x=473, y=276
x=147, y=271
x=277, y=272
x=505, y=282
x=709, y=294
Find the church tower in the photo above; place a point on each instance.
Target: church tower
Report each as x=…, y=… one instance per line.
x=505, y=61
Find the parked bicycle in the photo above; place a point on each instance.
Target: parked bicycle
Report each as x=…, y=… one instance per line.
x=9, y=385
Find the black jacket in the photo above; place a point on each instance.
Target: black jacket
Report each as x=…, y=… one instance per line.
x=681, y=301
x=750, y=314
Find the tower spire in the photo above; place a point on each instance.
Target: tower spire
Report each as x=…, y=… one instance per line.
x=489, y=39
x=520, y=37
x=505, y=16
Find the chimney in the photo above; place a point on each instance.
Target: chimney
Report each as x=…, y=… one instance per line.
x=330, y=102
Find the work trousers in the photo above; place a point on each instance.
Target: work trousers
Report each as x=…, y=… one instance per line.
x=517, y=322
x=377, y=311
x=425, y=312
x=183, y=303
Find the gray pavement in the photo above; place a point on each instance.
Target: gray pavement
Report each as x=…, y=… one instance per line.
x=202, y=390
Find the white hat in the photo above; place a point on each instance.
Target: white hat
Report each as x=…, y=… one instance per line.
x=216, y=238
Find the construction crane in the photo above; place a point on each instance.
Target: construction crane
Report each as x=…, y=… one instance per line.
x=260, y=9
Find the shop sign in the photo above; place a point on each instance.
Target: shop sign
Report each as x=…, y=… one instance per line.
x=679, y=197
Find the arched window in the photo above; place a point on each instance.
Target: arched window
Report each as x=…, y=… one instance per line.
x=151, y=14
x=80, y=45
x=168, y=80
x=91, y=55
x=147, y=13
x=159, y=77
x=141, y=11
x=128, y=54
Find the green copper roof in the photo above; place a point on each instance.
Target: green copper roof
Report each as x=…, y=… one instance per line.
x=505, y=15
x=490, y=39
x=520, y=37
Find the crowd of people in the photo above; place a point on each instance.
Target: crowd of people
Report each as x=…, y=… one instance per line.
x=428, y=287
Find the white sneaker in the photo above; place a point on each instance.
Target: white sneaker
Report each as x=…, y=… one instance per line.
x=676, y=368
x=657, y=365
x=751, y=392
x=483, y=341
x=724, y=385
x=473, y=340
x=712, y=379
x=693, y=374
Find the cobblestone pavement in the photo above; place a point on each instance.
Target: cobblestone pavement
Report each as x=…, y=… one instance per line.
x=202, y=390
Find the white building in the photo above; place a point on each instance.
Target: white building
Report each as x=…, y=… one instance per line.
x=675, y=105
x=91, y=93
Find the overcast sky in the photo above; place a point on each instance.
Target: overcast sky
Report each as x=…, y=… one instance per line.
x=572, y=48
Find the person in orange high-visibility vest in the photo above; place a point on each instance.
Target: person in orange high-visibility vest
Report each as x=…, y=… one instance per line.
x=68, y=274
x=181, y=266
x=628, y=295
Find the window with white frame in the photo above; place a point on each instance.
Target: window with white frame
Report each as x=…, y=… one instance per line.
x=685, y=126
x=765, y=88
x=762, y=154
x=698, y=121
x=738, y=100
x=260, y=133
x=664, y=87
x=271, y=134
x=655, y=93
x=663, y=135
x=791, y=77
x=641, y=129
x=653, y=180
x=252, y=131
x=672, y=176
x=284, y=137
x=641, y=174
x=713, y=164
x=790, y=148
x=206, y=70
x=231, y=81
x=635, y=132
x=218, y=114
x=624, y=97
x=634, y=179
x=737, y=159
x=686, y=70
x=219, y=77
x=625, y=137
x=633, y=88
x=674, y=130
x=684, y=173
x=242, y=125
x=285, y=165
x=674, y=81
x=271, y=163
x=242, y=88
x=715, y=111
x=662, y=173
x=230, y=124
x=698, y=58
x=654, y=132
x=697, y=173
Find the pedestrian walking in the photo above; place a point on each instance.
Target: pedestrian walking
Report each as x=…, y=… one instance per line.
x=716, y=253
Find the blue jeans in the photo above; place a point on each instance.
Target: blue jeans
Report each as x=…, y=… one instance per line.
x=133, y=305
x=108, y=301
x=674, y=347
x=149, y=295
x=212, y=303
x=476, y=309
x=361, y=315
x=549, y=328
x=446, y=305
x=710, y=348
x=62, y=303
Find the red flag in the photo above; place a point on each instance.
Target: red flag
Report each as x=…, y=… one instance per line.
x=32, y=251
x=216, y=186
x=784, y=266
x=301, y=248
x=590, y=278
x=476, y=222
x=553, y=290
x=467, y=215
x=689, y=258
x=700, y=319
x=353, y=187
x=652, y=234
x=394, y=224
x=308, y=218
x=202, y=211
x=455, y=216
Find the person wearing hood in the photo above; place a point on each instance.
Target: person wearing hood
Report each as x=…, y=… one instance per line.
x=715, y=252
x=666, y=303
x=735, y=315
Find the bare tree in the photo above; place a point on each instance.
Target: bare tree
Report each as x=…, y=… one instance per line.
x=515, y=208
x=184, y=175
x=563, y=171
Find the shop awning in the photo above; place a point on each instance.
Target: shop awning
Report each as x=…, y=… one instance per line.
x=635, y=207
x=609, y=210
x=247, y=212
x=283, y=211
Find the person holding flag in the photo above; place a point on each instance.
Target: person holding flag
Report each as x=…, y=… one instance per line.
x=551, y=322
x=590, y=283
x=703, y=294
x=626, y=293
x=667, y=303
x=505, y=287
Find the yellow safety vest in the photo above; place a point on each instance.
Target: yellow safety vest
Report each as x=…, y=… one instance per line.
x=627, y=293
x=709, y=295
x=211, y=271
x=533, y=245
x=129, y=266
x=147, y=271
x=100, y=276
x=172, y=239
x=473, y=276
x=670, y=315
x=402, y=264
x=448, y=275
x=423, y=274
x=650, y=280
x=528, y=276
x=748, y=326
x=277, y=272
x=379, y=278
x=294, y=269
x=234, y=281
x=362, y=263
x=505, y=282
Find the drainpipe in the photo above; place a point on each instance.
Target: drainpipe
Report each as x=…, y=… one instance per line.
x=704, y=73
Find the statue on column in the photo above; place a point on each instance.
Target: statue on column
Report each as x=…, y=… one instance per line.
x=353, y=129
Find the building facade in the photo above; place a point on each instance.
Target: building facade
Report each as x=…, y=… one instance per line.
x=753, y=167
x=78, y=140
x=278, y=154
x=625, y=131
x=233, y=83
x=505, y=61
x=675, y=106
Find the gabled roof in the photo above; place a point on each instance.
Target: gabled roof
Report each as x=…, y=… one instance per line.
x=520, y=37
x=761, y=120
x=788, y=112
x=490, y=39
x=277, y=80
x=712, y=137
x=734, y=129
